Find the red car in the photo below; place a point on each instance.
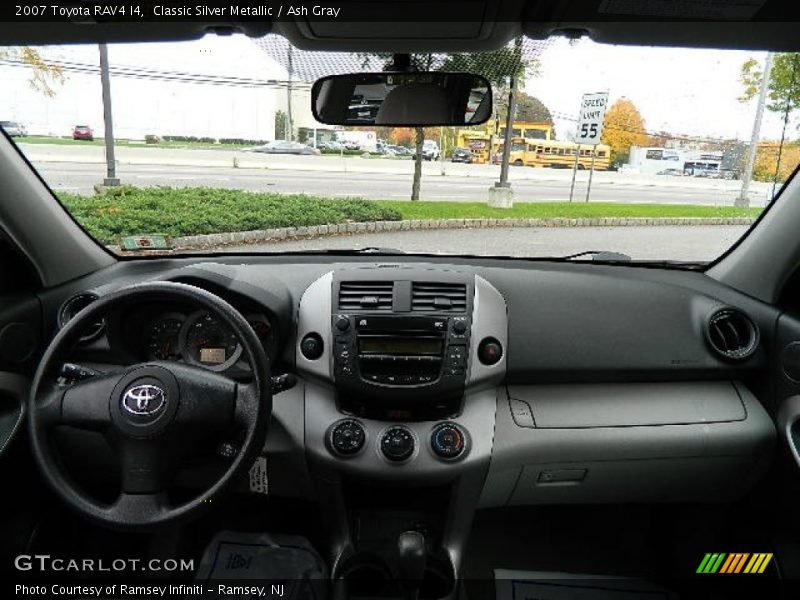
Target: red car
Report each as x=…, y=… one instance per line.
x=82, y=132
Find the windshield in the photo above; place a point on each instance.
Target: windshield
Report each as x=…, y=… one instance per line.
x=657, y=154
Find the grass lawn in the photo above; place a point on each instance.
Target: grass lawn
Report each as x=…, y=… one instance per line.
x=189, y=211
x=568, y=210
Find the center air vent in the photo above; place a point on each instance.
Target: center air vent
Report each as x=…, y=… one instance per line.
x=732, y=334
x=365, y=295
x=438, y=297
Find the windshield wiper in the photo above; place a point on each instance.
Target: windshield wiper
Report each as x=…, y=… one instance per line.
x=599, y=255
x=348, y=251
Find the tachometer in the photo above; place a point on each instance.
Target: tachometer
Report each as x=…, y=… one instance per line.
x=206, y=341
x=163, y=337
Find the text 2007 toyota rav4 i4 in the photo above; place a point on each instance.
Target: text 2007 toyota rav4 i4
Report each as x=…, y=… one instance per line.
x=568, y=367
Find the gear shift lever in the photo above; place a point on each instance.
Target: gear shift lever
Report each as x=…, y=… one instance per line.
x=411, y=563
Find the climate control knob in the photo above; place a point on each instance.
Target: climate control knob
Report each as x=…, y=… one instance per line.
x=347, y=437
x=448, y=441
x=397, y=444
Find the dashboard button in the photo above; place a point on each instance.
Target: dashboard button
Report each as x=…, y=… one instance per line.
x=490, y=351
x=448, y=441
x=311, y=346
x=342, y=323
x=459, y=327
x=347, y=437
x=397, y=444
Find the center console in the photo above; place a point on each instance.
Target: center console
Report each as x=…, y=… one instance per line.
x=401, y=366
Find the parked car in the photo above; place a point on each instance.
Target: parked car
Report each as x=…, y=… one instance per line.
x=430, y=150
x=285, y=147
x=462, y=155
x=333, y=145
x=675, y=172
x=401, y=150
x=83, y=132
x=14, y=128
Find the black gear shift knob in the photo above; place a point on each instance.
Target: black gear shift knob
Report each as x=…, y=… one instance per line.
x=411, y=563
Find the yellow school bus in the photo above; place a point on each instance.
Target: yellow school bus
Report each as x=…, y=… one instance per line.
x=479, y=140
x=550, y=153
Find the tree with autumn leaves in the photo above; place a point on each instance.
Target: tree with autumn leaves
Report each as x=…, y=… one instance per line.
x=45, y=77
x=623, y=127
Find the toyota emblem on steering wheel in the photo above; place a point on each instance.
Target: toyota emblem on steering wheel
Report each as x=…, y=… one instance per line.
x=142, y=400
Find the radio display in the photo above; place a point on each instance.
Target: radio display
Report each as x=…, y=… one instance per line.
x=400, y=345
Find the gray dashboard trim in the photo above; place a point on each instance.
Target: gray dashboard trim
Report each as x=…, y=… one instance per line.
x=314, y=316
x=489, y=319
x=630, y=404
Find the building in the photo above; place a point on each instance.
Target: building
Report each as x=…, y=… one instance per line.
x=212, y=87
x=654, y=160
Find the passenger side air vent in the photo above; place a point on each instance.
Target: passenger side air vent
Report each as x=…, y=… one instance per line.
x=72, y=306
x=732, y=334
x=438, y=297
x=365, y=295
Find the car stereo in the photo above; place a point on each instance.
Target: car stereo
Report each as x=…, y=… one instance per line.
x=413, y=357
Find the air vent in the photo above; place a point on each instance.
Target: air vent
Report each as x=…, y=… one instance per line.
x=72, y=307
x=732, y=334
x=365, y=295
x=438, y=297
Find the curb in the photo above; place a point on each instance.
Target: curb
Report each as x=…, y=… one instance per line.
x=278, y=234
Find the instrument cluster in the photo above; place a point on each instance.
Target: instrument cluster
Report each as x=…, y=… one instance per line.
x=200, y=338
x=186, y=334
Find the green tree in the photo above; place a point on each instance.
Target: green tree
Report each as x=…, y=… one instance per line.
x=45, y=77
x=497, y=67
x=281, y=123
x=784, y=82
x=529, y=108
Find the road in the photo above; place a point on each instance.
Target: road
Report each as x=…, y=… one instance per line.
x=459, y=186
x=695, y=243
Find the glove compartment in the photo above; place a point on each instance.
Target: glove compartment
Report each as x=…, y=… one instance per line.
x=637, y=442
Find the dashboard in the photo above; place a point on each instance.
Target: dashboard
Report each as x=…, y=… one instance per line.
x=429, y=372
x=493, y=384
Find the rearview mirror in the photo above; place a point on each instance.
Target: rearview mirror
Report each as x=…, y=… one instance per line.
x=402, y=99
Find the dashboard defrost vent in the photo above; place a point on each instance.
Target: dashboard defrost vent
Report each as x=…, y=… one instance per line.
x=438, y=297
x=732, y=334
x=365, y=295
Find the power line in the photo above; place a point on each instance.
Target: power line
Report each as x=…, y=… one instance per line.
x=157, y=75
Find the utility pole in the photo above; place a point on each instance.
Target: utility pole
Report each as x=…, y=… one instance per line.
x=501, y=195
x=290, y=68
x=744, y=200
x=105, y=81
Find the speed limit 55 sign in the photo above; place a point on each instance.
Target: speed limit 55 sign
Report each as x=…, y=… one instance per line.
x=590, y=124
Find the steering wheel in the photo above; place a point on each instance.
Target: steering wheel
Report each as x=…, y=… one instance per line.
x=151, y=413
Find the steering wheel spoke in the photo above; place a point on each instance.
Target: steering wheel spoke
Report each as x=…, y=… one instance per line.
x=247, y=404
x=86, y=404
x=207, y=403
x=132, y=508
x=146, y=465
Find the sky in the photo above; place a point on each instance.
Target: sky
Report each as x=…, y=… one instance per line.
x=684, y=91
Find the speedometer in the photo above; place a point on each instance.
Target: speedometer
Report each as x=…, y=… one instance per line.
x=208, y=342
x=162, y=337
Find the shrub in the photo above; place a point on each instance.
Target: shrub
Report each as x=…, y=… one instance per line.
x=128, y=210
